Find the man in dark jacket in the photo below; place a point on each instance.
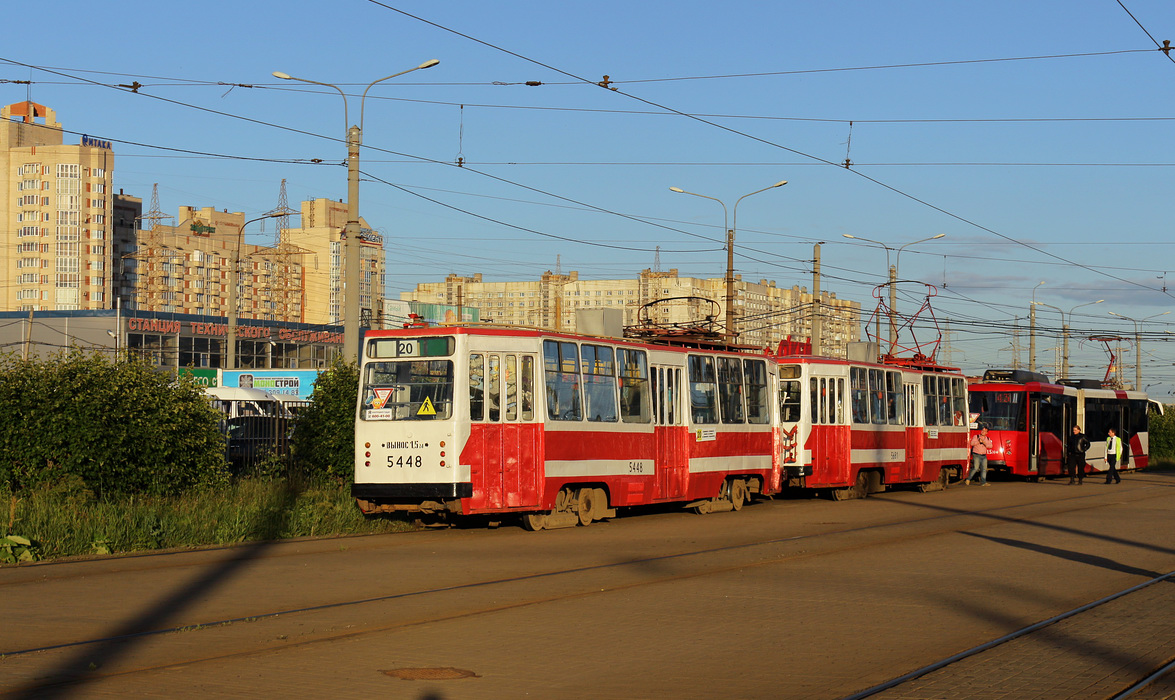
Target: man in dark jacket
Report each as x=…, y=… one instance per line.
x=1075, y=455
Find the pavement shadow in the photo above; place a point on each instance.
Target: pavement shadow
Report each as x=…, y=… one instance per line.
x=1068, y=554
x=996, y=517
x=87, y=663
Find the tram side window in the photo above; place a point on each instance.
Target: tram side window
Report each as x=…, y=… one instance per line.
x=877, y=396
x=671, y=397
x=840, y=401
x=860, y=396
x=944, y=400
x=789, y=401
x=599, y=383
x=730, y=389
x=702, y=392
x=527, y=380
x=476, y=387
x=493, y=388
x=814, y=400
x=1137, y=420
x=561, y=367
x=758, y=405
x=893, y=398
x=634, y=386
x=511, y=387
x=930, y=400
x=1100, y=416
x=959, y=396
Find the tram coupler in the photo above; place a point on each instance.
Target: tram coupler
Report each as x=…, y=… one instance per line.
x=711, y=505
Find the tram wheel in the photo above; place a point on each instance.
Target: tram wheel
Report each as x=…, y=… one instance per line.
x=738, y=493
x=586, y=508
x=861, y=488
x=534, y=521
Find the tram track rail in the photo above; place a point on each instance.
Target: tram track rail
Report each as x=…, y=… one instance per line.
x=578, y=581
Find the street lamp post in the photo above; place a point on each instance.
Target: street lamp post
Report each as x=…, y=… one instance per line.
x=730, y=247
x=1137, y=343
x=352, y=276
x=893, y=277
x=1065, y=332
x=234, y=277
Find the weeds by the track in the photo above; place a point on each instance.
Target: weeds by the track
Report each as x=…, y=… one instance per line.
x=69, y=521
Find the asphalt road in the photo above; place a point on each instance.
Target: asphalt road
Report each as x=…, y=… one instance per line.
x=786, y=599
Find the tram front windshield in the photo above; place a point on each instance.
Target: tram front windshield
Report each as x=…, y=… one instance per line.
x=408, y=390
x=999, y=410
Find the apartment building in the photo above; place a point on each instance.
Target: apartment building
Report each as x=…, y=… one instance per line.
x=318, y=240
x=55, y=214
x=765, y=313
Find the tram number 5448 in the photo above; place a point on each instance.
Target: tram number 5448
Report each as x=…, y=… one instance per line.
x=401, y=461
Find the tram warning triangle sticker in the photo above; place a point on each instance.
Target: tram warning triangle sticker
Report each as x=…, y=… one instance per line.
x=426, y=408
x=381, y=397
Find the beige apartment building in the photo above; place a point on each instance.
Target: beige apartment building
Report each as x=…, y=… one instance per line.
x=56, y=215
x=319, y=242
x=765, y=313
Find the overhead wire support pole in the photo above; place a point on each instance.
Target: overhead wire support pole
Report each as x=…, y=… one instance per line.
x=733, y=220
x=352, y=276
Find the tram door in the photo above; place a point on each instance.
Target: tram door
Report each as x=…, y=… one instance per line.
x=672, y=435
x=791, y=433
x=510, y=469
x=915, y=432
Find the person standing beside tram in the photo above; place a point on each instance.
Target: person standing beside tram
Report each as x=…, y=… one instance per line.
x=1113, y=457
x=980, y=444
x=1075, y=455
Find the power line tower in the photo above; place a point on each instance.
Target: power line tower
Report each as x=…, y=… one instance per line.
x=947, y=350
x=149, y=287
x=286, y=300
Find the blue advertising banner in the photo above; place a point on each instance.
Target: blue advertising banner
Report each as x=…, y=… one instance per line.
x=298, y=383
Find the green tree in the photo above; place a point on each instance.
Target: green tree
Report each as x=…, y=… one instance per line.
x=120, y=426
x=324, y=439
x=1161, y=434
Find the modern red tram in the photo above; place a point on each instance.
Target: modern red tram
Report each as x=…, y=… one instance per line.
x=1029, y=418
x=563, y=429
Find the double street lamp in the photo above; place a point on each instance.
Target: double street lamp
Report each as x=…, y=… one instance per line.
x=352, y=276
x=1065, y=331
x=1138, y=344
x=730, y=331
x=893, y=278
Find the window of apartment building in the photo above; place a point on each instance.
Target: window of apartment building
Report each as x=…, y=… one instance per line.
x=98, y=187
x=98, y=218
x=98, y=172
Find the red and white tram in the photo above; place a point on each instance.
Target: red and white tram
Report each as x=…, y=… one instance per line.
x=563, y=429
x=1029, y=419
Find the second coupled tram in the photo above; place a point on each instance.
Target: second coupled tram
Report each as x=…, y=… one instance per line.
x=1030, y=418
x=561, y=429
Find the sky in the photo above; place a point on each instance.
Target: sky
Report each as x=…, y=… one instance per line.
x=1038, y=137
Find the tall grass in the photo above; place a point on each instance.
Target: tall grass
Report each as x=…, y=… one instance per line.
x=68, y=520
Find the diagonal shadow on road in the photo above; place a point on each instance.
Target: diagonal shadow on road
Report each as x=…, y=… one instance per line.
x=88, y=662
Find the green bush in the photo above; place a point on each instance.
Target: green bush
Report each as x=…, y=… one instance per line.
x=1161, y=433
x=115, y=426
x=324, y=438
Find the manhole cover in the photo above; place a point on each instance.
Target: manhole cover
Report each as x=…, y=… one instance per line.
x=429, y=674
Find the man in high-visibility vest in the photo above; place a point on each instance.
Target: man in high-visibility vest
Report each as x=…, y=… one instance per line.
x=1113, y=457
